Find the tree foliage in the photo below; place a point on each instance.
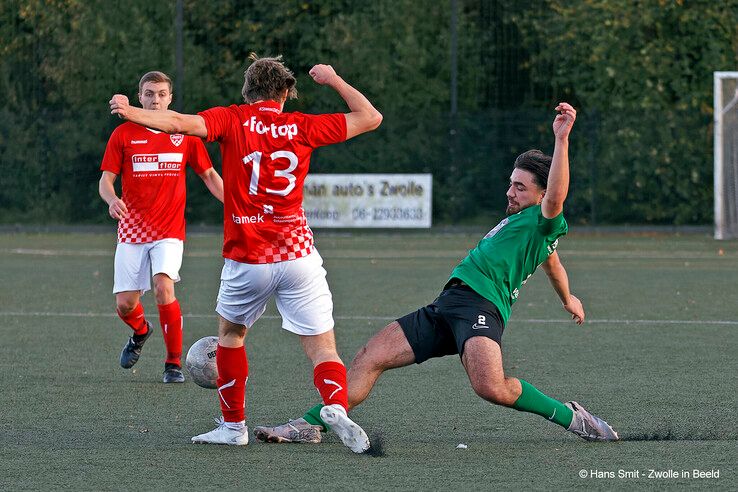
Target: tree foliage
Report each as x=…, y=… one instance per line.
x=639, y=72
x=642, y=72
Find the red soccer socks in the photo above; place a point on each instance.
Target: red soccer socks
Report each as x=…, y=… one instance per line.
x=170, y=317
x=233, y=372
x=135, y=319
x=330, y=379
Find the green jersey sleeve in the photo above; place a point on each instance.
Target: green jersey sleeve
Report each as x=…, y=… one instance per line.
x=552, y=226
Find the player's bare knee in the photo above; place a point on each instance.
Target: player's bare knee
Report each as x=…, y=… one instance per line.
x=357, y=363
x=125, y=306
x=359, y=357
x=496, y=393
x=161, y=296
x=164, y=294
x=365, y=360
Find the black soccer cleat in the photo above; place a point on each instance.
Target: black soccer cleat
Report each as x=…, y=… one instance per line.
x=173, y=374
x=132, y=350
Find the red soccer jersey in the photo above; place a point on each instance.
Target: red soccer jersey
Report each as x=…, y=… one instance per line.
x=266, y=156
x=152, y=169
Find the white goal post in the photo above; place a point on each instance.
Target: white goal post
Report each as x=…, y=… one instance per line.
x=726, y=154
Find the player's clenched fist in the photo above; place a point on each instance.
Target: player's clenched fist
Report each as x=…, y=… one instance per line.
x=323, y=74
x=119, y=105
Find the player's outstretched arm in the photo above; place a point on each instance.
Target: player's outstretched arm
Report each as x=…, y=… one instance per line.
x=363, y=116
x=116, y=207
x=558, y=176
x=560, y=283
x=166, y=121
x=214, y=183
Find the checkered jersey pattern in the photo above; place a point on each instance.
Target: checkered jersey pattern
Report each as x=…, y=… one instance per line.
x=133, y=230
x=291, y=243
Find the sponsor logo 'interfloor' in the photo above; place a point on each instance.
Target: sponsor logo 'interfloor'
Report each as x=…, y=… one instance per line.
x=157, y=162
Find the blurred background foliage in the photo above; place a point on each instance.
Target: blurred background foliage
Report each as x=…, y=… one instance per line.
x=639, y=72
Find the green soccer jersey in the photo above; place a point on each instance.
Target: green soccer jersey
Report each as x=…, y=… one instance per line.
x=509, y=254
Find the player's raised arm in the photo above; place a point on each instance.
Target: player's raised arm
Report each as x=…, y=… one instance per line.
x=363, y=116
x=558, y=177
x=166, y=121
x=560, y=282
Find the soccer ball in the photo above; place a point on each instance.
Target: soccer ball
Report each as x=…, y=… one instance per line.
x=200, y=362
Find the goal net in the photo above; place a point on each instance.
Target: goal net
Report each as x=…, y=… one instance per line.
x=726, y=154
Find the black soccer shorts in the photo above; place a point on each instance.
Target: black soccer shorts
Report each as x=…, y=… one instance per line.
x=442, y=327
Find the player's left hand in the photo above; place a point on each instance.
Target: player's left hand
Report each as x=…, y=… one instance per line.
x=119, y=105
x=117, y=209
x=574, y=306
x=564, y=121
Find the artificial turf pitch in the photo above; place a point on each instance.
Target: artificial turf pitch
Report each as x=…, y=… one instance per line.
x=657, y=358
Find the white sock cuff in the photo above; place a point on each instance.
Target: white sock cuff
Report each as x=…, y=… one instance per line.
x=339, y=408
x=236, y=425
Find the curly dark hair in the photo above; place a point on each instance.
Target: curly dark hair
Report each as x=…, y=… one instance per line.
x=266, y=79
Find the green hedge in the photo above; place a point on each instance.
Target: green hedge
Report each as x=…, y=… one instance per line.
x=640, y=74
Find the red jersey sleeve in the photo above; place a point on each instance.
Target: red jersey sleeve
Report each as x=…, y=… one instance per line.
x=219, y=121
x=113, y=159
x=325, y=129
x=197, y=156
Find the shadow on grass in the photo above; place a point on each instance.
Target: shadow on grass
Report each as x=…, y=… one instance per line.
x=670, y=435
x=376, y=450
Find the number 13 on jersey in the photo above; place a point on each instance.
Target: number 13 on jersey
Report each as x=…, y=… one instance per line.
x=255, y=158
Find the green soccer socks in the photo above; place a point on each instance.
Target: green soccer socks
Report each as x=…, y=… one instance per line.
x=533, y=401
x=312, y=416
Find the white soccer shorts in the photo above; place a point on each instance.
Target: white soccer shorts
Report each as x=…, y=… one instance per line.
x=135, y=264
x=299, y=287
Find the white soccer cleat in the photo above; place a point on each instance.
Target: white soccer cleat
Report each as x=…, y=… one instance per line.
x=224, y=435
x=351, y=434
x=588, y=426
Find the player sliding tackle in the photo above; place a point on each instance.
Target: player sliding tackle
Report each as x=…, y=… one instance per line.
x=470, y=314
x=268, y=246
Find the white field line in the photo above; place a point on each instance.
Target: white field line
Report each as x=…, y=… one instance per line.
x=32, y=314
x=358, y=254
x=56, y=252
